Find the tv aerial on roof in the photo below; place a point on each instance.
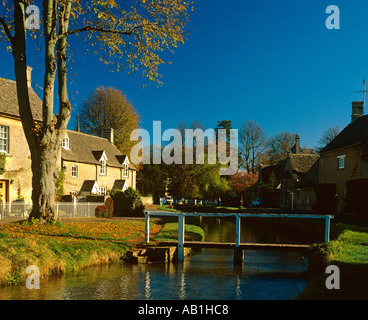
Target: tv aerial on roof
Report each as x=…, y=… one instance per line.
x=363, y=91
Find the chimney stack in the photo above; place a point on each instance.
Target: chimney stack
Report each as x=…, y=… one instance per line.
x=357, y=110
x=109, y=134
x=297, y=144
x=296, y=148
x=29, y=77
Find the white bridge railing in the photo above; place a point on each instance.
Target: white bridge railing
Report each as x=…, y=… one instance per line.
x=237, y=216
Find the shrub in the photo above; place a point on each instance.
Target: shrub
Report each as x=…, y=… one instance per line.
x=105, y=211
x=128, y=203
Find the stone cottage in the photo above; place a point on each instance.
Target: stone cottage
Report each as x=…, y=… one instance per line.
x=291, y=179
x=92, y=165
x=16, y=181
x=344, y=165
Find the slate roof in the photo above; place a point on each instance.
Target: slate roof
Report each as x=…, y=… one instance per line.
x=311, y=178
x=118, y=185
x=87, y=185
x=9, y=100
x=85, y=148
x=301, y=163
x=356, y=132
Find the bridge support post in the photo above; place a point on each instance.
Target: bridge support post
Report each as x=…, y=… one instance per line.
x=327, y=229
x=238, y=252
x=181, y=221
x=238, y=256
x=147, y=227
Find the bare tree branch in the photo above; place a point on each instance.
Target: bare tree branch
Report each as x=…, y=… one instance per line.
x=7, y=31
x=99, y=29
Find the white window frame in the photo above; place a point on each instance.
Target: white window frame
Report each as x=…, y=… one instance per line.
x=102, y=191
x=103, y=169
x=66, y=143
x=125, y=170
x=341, y=162
x=103, y=163
x=74, y=171
x=4, y=139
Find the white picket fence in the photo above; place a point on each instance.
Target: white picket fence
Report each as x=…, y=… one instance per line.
x=21, y=210
x=77, y=209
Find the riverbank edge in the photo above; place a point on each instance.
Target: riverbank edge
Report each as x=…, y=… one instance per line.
x=349, y=252
x=51, y=260
x=157, y=252
x=56, y=255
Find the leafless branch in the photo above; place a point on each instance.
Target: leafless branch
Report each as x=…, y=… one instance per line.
x=7, y=31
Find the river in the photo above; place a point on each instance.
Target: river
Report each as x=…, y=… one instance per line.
x=208, y=274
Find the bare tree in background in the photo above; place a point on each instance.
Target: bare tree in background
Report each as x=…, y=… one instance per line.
x=327, y=137
x=107, y=108
x=251, y=145
x=278, y=146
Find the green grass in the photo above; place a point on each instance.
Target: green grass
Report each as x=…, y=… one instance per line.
x=65, y=247
x=348, y=251
x=170, y=232
x=167, y=208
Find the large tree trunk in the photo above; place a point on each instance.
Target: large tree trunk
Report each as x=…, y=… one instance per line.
x=44, y=139
x=44, y=172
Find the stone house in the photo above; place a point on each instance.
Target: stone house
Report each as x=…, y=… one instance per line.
x=295, y=195
x=293, y=180
x=344, y=161
x=16, y=181
x=303, y=195
x=92, y=165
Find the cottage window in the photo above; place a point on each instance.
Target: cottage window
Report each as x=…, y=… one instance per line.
x=75, y=171
x=4, y=139
x=341, y=162
x=66, y=143
x=103, y=169
x=126, y=170
x=103, y=191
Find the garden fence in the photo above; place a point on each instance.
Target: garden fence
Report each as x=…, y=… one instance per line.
x=21, y=210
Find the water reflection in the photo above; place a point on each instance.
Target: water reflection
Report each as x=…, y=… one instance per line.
x=209, y=274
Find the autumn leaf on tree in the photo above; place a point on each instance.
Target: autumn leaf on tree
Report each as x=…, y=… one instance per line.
x=125, y=35
x=242, y=181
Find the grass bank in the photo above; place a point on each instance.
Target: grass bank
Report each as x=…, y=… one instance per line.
x=349, y=251
x=170, y=232
x=65, y=247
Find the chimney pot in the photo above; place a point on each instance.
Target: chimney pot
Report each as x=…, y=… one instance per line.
x=357, y=110
x=109, y=134
x=296, y=148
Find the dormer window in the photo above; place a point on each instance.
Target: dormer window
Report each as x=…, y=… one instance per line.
x=103, y=169
x=125, y=170
x=66, y=143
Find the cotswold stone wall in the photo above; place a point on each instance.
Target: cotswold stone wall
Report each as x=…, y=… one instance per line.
x=92, y=172
x=17, y=178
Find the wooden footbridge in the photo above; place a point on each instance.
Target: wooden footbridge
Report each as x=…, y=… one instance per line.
x=238, y=247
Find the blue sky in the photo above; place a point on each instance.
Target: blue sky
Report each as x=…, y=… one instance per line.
x=273, y=62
